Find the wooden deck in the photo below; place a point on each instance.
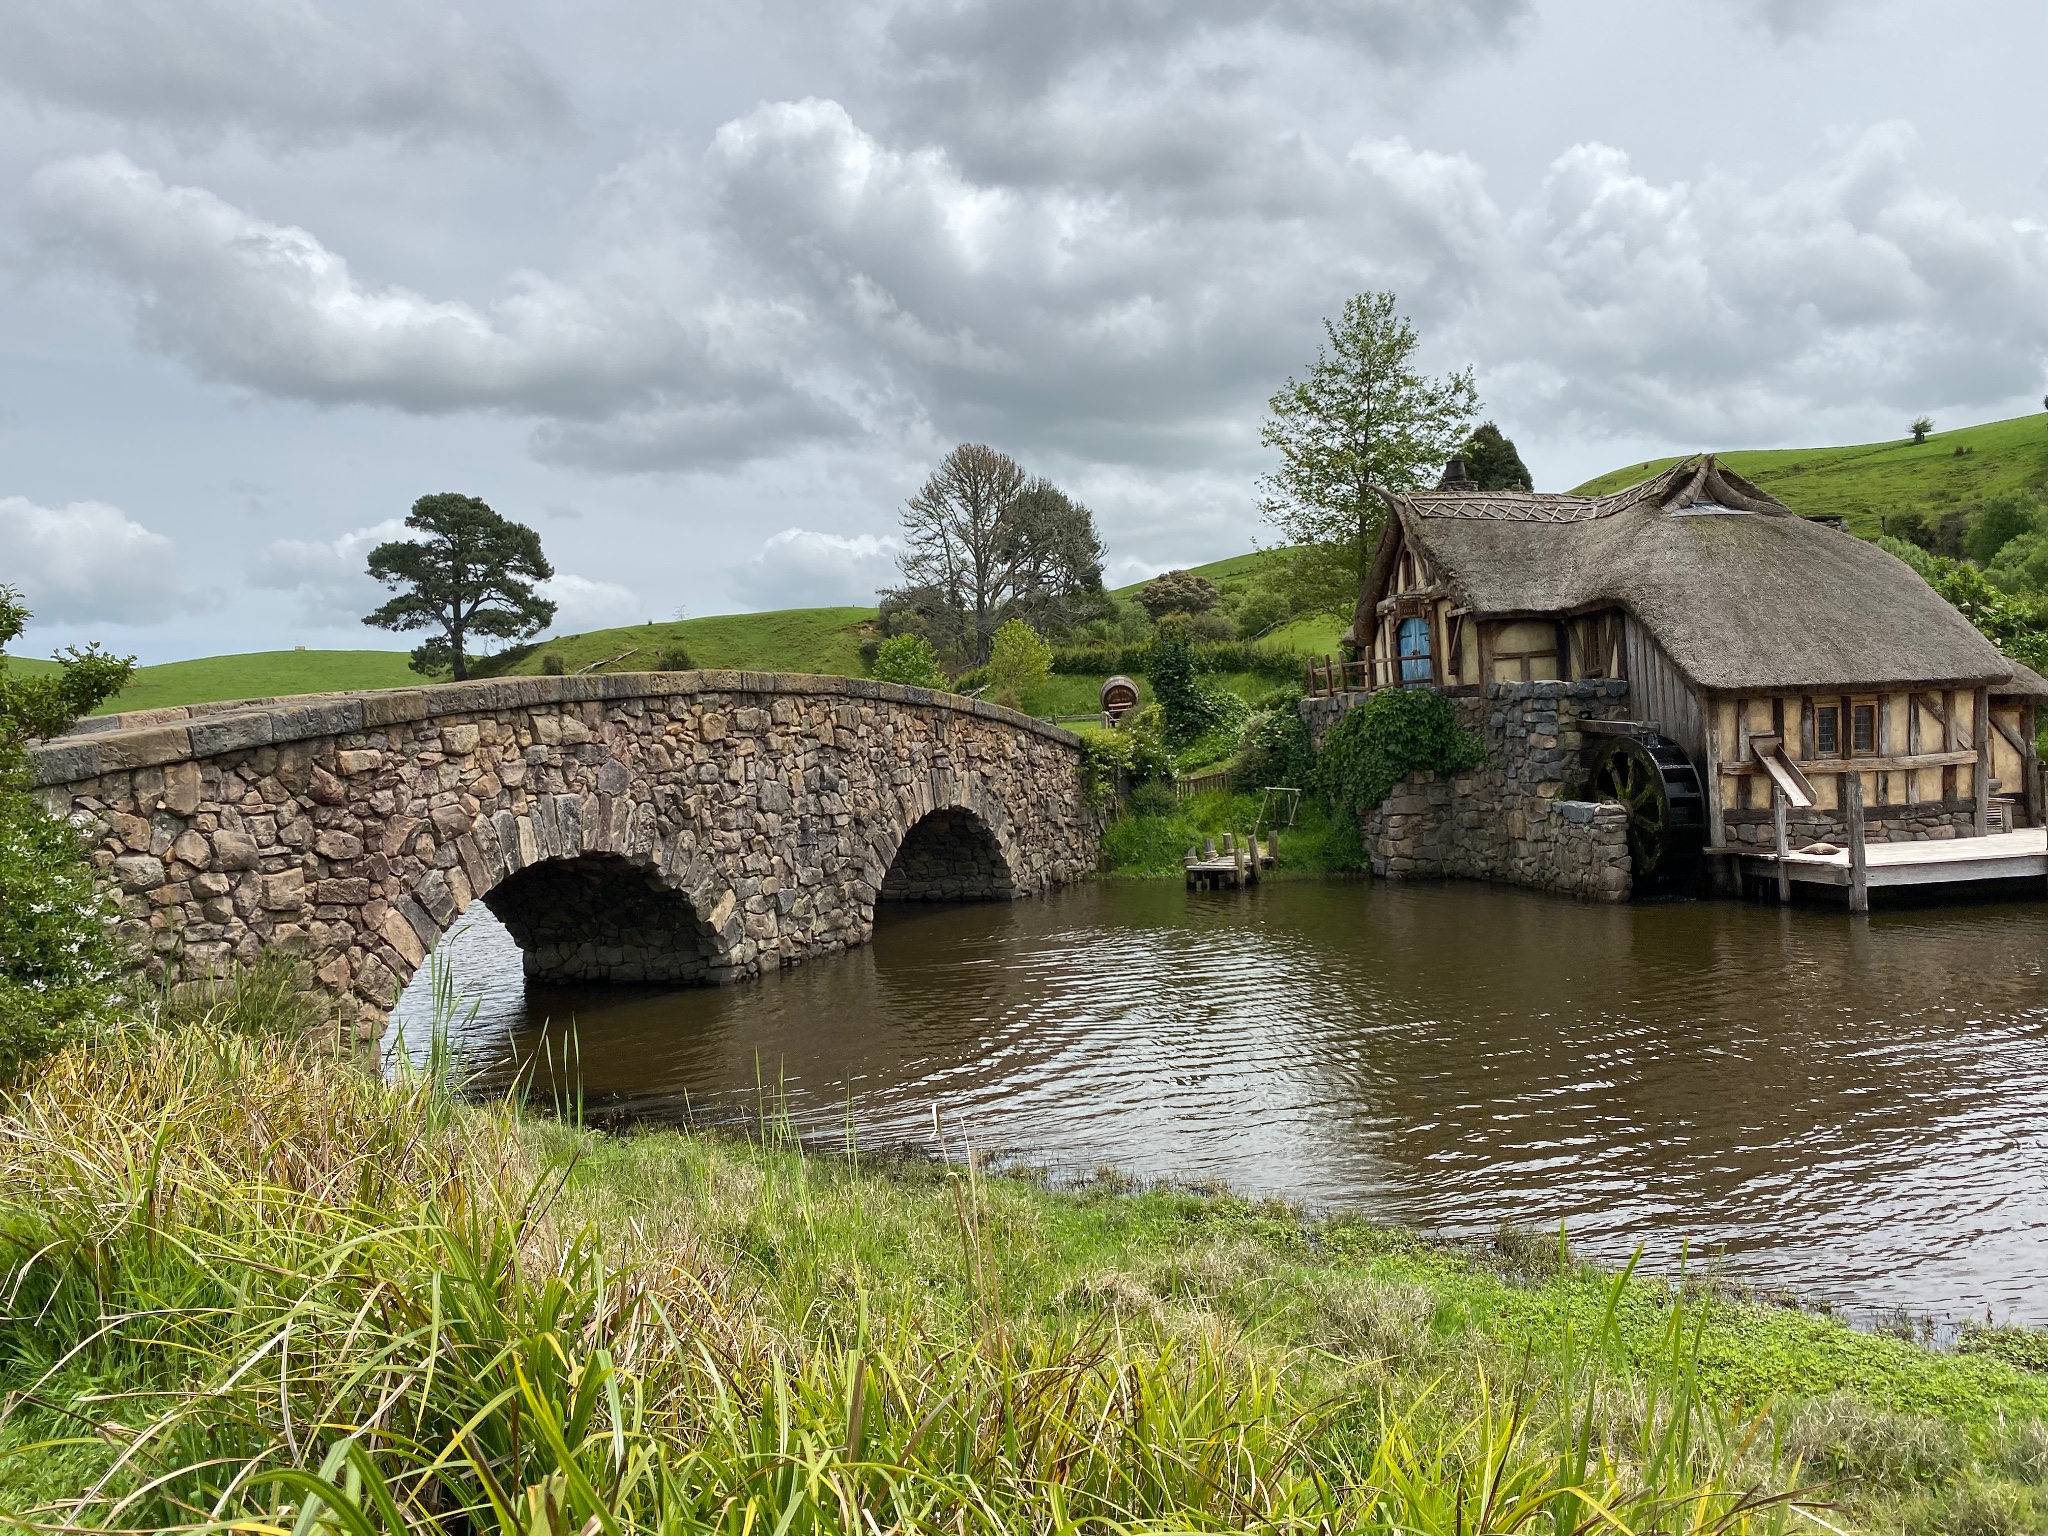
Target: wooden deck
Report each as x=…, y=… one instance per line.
x=2021, y=855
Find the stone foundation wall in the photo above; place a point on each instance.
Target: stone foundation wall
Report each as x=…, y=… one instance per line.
x=1506, y=820
x=1930, y=820
x=671, y=826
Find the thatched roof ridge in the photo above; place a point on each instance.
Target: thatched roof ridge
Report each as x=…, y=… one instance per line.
x=1742, y=592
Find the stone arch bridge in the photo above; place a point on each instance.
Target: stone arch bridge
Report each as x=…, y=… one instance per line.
x=672, y=827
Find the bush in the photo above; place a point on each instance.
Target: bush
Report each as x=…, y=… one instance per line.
x=1018, y=659
x=1277, y=749
x=910, y=660
x=1392, y=734
x=1190, y=709
x=1998, y=523
x=674, y=658
x=552, y=665
x=57, y=965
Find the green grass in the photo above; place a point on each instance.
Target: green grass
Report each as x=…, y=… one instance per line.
x=821, y=640
x=257, y=675
x=1236, y=568
x=1870, y=480
x=1147, y=841
x=245, y=1281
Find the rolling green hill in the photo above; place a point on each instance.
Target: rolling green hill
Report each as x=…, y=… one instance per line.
x=1950, y=472
x=259, y=674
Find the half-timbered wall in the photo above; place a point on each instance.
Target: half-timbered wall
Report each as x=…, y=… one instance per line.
x=1929, y=762
x=1417, y=591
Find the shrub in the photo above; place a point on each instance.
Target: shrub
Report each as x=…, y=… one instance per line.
x=1261, y=609
x=1018, y=659
x=1998, y=523
x=552, y=665
x=1190, y=709
x=910, y=660
x=674, y=658
x=1178, y=592
x=1277, y=749
x=1392, y=734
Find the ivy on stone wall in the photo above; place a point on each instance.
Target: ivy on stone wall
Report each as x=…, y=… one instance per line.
x=1392, y=734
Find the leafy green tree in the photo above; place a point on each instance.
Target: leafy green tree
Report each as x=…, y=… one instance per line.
x=1019, y=660
x=1361, y=421
x=1492, y=463
x=1177, y=592
x=472, y=576
x=1922, y=425
x=56, y=960
x=910, y=660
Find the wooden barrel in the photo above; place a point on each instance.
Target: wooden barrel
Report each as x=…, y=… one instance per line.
x=1119, y=696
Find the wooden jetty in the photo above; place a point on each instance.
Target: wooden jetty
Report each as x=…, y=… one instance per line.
x=2021, y=855
x=1229, y=868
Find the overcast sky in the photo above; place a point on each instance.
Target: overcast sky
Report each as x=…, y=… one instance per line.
x=701, y=292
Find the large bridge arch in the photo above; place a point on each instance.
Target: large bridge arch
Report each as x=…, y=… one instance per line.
x=705, y=825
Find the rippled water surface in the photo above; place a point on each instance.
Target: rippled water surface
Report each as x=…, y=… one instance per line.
x=1856, y=1110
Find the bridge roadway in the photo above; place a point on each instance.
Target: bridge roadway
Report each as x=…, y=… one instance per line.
x=670, y=827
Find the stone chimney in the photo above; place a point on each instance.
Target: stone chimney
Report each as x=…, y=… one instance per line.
x=1455, y=478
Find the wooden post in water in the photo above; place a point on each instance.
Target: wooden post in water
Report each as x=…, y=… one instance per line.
x=1778, y=842
x=1859, y=874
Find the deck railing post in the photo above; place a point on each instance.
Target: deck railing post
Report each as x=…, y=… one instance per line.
x=1859, y=873
x=1778, y=843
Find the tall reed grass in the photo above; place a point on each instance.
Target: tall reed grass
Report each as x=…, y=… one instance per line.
x=251, y=1288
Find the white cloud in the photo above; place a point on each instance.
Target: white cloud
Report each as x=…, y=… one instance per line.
x=802, y=568
x=335, y=588
x=330, y=576
x=582, y=604
x=284, y=69
x=89, y=562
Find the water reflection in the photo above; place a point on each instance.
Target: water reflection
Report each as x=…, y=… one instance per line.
x=1857, y=1110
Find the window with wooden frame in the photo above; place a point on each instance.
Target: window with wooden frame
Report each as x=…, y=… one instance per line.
x=1827, y=730
x=1863, y=728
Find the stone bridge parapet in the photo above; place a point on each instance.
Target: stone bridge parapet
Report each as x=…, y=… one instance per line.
x=634, y=827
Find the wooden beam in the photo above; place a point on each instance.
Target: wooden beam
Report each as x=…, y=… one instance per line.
x=1859, y=857
x=1778, y=844
x=1818, y=765
x=1946, y=714
x=1787, y=782
x=1912, y=746
x=1980, y=732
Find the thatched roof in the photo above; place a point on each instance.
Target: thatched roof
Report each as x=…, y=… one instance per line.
x=1742, y=592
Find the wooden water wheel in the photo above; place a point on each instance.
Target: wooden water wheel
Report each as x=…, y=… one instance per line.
x=1652, y=779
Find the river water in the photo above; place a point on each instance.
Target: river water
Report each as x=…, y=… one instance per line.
x=1856, y=1111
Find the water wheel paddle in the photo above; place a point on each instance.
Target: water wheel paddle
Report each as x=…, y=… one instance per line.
x=1651, y=778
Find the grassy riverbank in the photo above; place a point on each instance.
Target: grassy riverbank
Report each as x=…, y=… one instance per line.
x=242, y=1280
x=1149, y=839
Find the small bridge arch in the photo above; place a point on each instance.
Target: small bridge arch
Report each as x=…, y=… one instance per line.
x=672, y=827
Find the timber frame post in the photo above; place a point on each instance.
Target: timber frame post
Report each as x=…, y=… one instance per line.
x=1859, y=866
x=1980, y=738
x=1778, y=842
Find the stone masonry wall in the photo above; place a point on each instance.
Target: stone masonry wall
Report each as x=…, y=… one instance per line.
x=1927, y=821
x=1506, y=820
x=667, y=826
x=949, y=856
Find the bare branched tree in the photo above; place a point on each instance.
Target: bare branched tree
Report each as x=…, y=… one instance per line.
x=986, y=542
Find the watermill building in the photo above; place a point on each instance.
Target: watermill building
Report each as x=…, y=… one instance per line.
x=1740, y=681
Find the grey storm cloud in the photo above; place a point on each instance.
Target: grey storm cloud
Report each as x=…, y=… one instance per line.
x=284, y=69
x=799, y=281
